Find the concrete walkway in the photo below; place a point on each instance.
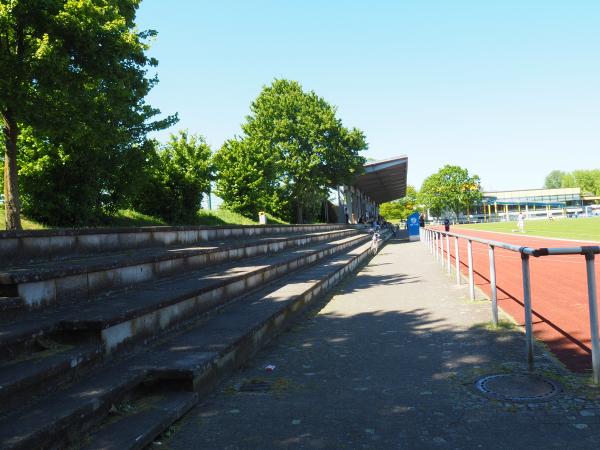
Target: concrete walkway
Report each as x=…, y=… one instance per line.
x=389, y=362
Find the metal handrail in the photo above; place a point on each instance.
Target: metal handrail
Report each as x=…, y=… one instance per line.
x=435, y=242
x=537, y=252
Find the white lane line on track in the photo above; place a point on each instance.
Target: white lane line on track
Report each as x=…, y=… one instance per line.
x=546, y=238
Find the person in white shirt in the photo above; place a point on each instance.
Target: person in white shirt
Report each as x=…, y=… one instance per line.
x=521, y=222
x=375, y=243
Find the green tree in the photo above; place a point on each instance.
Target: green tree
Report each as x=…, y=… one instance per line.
x=450, y=189
x=292, y=149
x=178, y=173
x=77, y=183
x=247, y=178
x=74, y=74
x=402, y=208
x=554, y=179
x=587, y=180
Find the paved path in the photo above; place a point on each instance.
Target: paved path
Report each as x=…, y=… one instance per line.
x=389, y=362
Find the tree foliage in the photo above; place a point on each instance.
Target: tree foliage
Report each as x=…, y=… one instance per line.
x=76, y=184
x=587, y=180
x=402, y=208
x=450, y=189
x=292, y=149
x=247, y=178
x=177, y=174
x=74, y=76
x=554, y=179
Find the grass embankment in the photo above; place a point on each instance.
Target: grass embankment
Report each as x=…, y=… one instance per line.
x=586, y=228
x=25, y=222
x=130, y=218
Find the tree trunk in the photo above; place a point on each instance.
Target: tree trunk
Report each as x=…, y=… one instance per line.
x=12, y=204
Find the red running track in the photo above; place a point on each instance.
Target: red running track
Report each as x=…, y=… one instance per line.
x=558, y=291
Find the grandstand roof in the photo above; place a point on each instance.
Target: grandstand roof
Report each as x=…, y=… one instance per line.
x=385, y=180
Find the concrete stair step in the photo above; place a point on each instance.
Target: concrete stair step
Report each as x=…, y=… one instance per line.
x=46, y=245
x=45, y=283
x=153, y=307
x=37, y=371
x=206, y=352
x=196, y=359
x=146, y=312
x=138, y=429
x=10, y=304
x=66, y=414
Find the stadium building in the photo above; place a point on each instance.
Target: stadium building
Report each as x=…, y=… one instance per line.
x=537, y=204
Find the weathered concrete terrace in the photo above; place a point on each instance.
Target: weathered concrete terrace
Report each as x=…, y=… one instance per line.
x=390, y=362
x=162, y=338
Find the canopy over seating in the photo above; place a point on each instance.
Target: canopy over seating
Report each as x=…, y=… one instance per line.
x=383, y=181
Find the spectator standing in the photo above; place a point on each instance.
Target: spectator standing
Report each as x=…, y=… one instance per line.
x=521, y=222
x=375, y=241
x=447, y=224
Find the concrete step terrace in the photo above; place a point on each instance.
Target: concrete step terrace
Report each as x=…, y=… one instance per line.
x=41, y=284
x=194, y=360
x=46, y=245
x=147, y=312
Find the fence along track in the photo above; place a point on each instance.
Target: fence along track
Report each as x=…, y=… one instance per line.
x=434, y=239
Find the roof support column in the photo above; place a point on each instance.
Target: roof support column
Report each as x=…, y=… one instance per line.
x=348, y=210
x=354, y=210
x=341, y=217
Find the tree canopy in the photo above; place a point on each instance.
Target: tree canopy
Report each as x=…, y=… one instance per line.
x=402, y=208
x=75, y=78
x=554, y=179
x=177, y=175
x=293, y=148
x=450, y=189
x=587, y=180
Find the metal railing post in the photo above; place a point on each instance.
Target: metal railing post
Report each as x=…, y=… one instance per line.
x=471, y=278
x=448, y=253
x=457, y=260
x=442, y=257
x=493, y=285
x=593, y=305
x=527, y=303
x=435, y=240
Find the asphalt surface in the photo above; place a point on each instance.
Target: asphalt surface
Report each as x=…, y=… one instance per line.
x=390, y=361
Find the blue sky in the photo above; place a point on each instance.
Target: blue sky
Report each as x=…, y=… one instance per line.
x=508, y=89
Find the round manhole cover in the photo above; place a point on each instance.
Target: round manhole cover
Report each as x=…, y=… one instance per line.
x=517, y=387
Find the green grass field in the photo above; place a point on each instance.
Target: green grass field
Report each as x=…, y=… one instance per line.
x=130, y=218
x=587, y=229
